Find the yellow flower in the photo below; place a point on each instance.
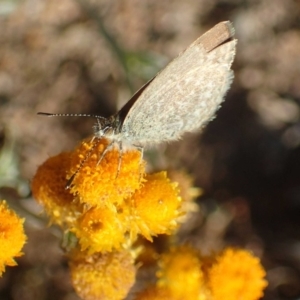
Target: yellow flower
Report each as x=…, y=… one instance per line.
x=12, y=237
x=98, y=181
x=180, y=271
x=188, y=193
x=236, y=274
x=155, y=206
x=49, y=188
x=102, y=276
x=100, y=229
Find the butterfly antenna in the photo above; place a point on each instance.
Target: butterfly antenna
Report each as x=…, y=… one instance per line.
x=69, y=115
x=87, y=156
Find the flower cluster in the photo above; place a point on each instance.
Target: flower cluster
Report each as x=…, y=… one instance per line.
x=106, y=200
x=185, y=274
x=114, y=209
x=12, y=237
x=111, y=200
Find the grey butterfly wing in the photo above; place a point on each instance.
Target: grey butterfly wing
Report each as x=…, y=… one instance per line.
x=185, y=95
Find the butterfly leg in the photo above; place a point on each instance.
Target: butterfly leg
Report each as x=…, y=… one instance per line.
x=108, y=148
x=141, y=149
x=120, y=158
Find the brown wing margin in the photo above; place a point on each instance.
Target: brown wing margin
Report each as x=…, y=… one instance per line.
x=218, y=35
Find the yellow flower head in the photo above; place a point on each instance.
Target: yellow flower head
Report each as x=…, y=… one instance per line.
x=12, y=237
x=236, y=274
x=49, y=188
x=100, y=229
x=188, y=192
x=98, y=180
x=155, y=206
x=102, y=276
x=180, y=271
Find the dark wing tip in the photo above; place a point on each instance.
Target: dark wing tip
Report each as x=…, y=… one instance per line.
x=216, y=36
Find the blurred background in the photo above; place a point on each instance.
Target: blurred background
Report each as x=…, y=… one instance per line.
x=84, y=56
